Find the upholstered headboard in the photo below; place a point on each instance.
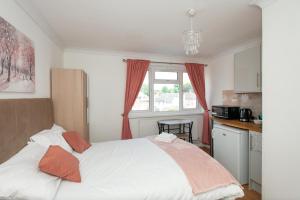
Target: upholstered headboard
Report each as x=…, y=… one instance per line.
x=20, y=119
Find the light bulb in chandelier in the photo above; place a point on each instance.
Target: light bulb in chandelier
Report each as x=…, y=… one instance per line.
x=191, y=38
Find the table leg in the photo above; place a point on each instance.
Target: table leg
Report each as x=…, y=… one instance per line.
x=190, y=133
x=180, y=125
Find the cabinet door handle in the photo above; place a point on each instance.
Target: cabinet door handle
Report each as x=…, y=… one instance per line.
x=257, y=80
x=251, y=148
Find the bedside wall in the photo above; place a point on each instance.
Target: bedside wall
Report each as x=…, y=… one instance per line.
x=47, y=53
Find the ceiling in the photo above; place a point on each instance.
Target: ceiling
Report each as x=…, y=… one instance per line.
x=148, y=26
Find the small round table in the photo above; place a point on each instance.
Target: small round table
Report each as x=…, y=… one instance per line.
x=181, y=126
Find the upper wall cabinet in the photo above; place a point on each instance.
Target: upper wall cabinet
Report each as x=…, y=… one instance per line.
x=247, y=70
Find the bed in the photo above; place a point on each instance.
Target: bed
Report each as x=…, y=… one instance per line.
x=131, y=169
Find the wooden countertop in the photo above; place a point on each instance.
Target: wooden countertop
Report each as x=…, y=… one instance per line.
x=238, y=124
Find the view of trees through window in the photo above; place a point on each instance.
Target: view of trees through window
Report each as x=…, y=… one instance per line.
x=166, y=97
x=166, y=88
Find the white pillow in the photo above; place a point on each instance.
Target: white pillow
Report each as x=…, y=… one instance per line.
x=51, y=137
x=20, y=177
x=58, y=128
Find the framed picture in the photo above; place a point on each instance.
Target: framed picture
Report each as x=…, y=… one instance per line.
x=17, y=60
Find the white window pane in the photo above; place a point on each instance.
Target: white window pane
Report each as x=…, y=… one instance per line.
x=166, y=75
x=189, y=97
x=166, y=97
x=142, y=101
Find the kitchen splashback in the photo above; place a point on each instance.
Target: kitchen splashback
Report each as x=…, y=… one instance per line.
x=248, y=100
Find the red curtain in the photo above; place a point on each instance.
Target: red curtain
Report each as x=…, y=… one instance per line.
x=196, y=75
x=136, y=71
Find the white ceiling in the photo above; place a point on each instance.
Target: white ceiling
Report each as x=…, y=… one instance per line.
x=148, y=26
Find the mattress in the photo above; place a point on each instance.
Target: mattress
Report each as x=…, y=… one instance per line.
x=134, y=169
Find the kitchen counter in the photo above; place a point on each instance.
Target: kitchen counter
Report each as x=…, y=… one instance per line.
x=238, y=124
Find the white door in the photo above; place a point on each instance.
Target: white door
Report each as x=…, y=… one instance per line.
x=226, y=149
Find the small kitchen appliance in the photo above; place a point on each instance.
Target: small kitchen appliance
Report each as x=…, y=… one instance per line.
x=226, y=112
x=245, y=114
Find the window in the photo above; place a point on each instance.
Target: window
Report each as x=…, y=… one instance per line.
x=142, y=100
x=189, y=97
x=166, y=97
x=166, y=89
x=166, y=75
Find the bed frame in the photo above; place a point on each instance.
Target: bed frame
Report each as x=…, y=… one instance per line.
x=19, y=120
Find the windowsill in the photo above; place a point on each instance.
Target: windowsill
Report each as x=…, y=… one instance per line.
x=136, y=115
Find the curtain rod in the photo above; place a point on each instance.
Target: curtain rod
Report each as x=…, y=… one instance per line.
x=169, y=63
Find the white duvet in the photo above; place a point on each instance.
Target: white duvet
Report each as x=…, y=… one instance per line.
x=135, y=170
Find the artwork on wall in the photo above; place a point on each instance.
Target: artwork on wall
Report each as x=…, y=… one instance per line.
x=17, y=60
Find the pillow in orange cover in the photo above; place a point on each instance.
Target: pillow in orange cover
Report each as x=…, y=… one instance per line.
x=58, y=162
x=76, y=141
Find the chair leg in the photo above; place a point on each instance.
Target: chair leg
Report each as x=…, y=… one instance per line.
x=159, y=128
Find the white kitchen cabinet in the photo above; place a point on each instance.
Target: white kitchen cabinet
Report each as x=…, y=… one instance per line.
x=230, y=147
x=247, y=70
x=255, y=160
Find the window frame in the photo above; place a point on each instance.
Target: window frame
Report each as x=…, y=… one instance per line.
x=151, y=74
x=165, y=80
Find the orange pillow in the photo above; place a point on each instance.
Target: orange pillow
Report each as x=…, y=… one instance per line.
x=58, y=162
x=76, y=141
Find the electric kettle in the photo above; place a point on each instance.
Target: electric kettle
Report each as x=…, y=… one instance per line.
x=245, y=114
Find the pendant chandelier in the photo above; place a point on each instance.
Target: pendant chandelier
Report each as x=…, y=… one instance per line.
x=191, y=38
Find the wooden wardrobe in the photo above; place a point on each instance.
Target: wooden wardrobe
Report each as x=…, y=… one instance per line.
x=69, y=95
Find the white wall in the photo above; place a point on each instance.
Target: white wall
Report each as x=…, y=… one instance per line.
x=47, y=53
x=106, y=77
x=221, y=72
x=281, y=97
